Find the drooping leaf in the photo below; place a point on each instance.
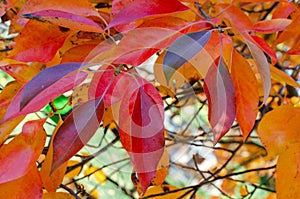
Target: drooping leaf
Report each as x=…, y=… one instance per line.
x=283, y=10
x=141, y=128
x=288, y=173
x=19, y=156
x=271, y=26
x=182, y=50
x=52, y=181
x=246, y=89
x=42, y=89
x=262, y=66
x=28, y=186
x=47, y=37
x=266, y=48
x=78, y=128
x=278, y=129
x=135, y=10
x=65, y=19
x=219, y=89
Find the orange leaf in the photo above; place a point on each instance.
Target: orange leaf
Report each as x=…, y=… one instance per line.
x=47, y=37
x=28, y=186
x=58, y=195
x=288, y=173
x=19, y=156
x=7, y=127
x=271, y=26
x=246, y=89
x=52, y=181
x=278, y=129
x=291, y=31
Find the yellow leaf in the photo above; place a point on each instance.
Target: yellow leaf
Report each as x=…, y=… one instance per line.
x=57, y=195
x=74, y=172
x=98, y=174
x=165, y=189
x=282, y=77
x=162, y=169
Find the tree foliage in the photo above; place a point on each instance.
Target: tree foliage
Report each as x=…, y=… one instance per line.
x=150, y=77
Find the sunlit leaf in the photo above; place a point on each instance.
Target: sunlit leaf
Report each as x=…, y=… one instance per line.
x=278, y=129
x=78, y=128
x=164, y=189
x=218, y=85
x=182, y=50
x=6, y=96
x=19, y=156
x=282, y=77
x=47, y=37
x=97, y=173
x=246, y=89
x=266, y=48
x=141, y=128
x=73, y=172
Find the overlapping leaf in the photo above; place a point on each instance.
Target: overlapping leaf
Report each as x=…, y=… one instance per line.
x=182, y=50
x=219, y=89
x=141, y=128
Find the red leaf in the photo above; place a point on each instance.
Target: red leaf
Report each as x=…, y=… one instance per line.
x=28, y=186
x=271, y=26
x=219, y=90
x=141, y=128
x=47, y=37
x=266, y=48
x=114, y=86
x=246, y=89
x=19, y=156
x=42, y=89
x=78, y=128
x=65, y=19
x=136, y=10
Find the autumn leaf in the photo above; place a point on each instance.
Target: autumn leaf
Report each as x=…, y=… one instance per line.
x=48, y=39
x=78, y=128
x=141, y=128
x=218, y=85
x=271, y=26
x=41, y=90
x=23, y=150
x=246, y=89
x=134, y=11
x=52, y=181
x=65, y=19
x=28, y=186
x=278, y=129
x=287, y=173
x=182, y=50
